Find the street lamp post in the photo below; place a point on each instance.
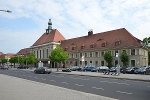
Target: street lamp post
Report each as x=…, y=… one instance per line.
x=9, y=11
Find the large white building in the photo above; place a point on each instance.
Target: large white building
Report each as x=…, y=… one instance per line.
x=92, y=47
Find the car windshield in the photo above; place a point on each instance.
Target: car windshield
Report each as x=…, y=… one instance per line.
x=113, y=67
x=129, y=68
x=142, y=68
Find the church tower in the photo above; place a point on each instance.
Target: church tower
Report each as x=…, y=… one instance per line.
x=49, y=27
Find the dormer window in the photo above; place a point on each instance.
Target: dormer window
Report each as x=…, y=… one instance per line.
x=82, y=47
x=103, y=44
x=66, y=48
x=92, y=46
x=73, y=48
x=117, y=42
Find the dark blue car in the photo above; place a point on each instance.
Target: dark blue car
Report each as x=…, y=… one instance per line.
x=87, y=68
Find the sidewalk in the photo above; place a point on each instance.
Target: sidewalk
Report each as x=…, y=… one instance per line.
x=12, y=88
x=137, y=77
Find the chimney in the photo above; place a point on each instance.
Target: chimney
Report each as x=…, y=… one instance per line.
x=90, y=32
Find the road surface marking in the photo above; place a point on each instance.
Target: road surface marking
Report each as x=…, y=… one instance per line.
x=148, y=86
x=20, y=75
x=43, y=79
x=79, y=78
x=36, y=77
x=97, y=88
x=64, y=82
x=78, y=85
x=115, y=82
x=29, y=76
x=52, y=80
x=57, y=76
x=124, y=92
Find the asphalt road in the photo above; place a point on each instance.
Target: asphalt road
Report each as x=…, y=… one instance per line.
x=114, y=88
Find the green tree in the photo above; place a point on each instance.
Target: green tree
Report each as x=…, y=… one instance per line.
x=31, y=59
x=147, y=41
x=58, y=55
x=108, y=58
x=4, y=60
x=124, y=58
x=13, y=60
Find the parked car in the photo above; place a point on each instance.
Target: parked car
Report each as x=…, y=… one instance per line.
x=95, y=69
x=87, y=68
x=75, y=68
x=43, y=70
x=4, y=67
x=130, y=70
x=112, y=69
x=100, y=69
x=103, y=68
x=66, y=70
x=148, y=71
x=22, y=67
x=142, y=70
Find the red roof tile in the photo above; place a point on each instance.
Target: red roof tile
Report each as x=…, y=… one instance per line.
x=109, y=38
x=53, y=36
x=25, y=51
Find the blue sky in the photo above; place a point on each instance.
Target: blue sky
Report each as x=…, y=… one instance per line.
x=73, y=18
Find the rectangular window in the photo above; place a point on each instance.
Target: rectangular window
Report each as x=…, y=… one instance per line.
x=85, y=54
x=80, y=55
x=47, y=53
x=132, y=63
x=92, y=46
x=73, y=48
x=132, y=51
x=90, y=54
x=37, y=54
x=96, y=54
x=40, y=53
x=72, y=55
x=76, y=55
x=116, y=43
x=103, y=44
x=102, y=54
x=102, y=63
x=43, y=54
x=116, y=52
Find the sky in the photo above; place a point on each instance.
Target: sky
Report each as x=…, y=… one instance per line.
x=72, y=18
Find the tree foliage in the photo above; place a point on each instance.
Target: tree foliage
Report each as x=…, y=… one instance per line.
x=4, y=60
x=124, y=58
x=58, y=55
x=147, y=41
x=108, y=58
x=13, y=60
x=31, y=59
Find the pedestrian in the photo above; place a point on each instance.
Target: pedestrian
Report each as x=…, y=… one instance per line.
x=118, y=69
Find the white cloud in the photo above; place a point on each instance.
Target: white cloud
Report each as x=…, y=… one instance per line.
x=73, y=18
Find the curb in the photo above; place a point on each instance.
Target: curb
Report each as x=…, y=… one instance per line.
x=102, y=76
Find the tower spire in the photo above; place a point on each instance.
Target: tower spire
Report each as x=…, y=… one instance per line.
x=49, y=27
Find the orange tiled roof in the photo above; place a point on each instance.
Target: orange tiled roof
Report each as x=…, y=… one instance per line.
x=24, y=51
x=107, y=39
x=53, y=36
x=1, y=53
